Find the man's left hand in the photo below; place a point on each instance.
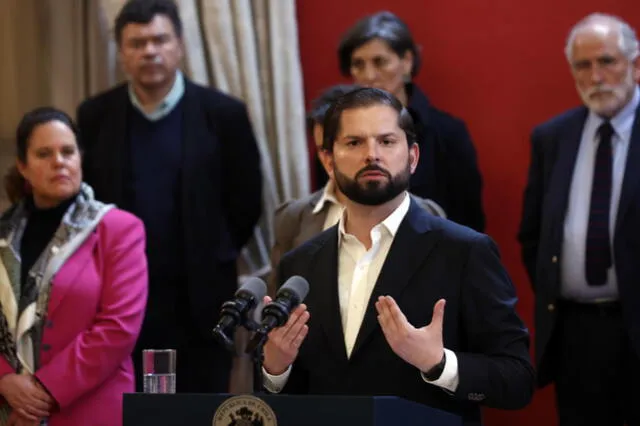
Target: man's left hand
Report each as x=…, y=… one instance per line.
x=421, y=347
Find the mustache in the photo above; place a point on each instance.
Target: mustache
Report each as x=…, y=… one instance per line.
x=373, y=168
x=155, y=60
x=605, y=88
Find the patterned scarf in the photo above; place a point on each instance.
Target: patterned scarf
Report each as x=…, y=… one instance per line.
x=23, y=310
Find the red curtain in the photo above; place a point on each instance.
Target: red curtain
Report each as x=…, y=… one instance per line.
x=500, y=66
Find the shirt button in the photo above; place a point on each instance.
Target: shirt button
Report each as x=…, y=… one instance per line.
x=554, y=259
x=46, y=347
x=551, y=307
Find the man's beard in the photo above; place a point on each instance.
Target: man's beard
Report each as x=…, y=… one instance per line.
x=618, y=96
x=373, y=192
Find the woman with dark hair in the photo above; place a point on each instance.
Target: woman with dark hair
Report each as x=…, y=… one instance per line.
x=73, y=286
x=379, y=51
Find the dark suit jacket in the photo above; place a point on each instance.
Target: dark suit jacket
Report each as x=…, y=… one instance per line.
x=430, y=258
x=448, y=168
x=296, y=223
x=221, y=183
x=554, y=147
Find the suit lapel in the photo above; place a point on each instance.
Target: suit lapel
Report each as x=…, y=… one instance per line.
x=399, y=266
x=325, y=272
x=198, y=143
x=631, y=173
x=562, y=175
x=67, y=277
x=311, y=224
x=113, y=147
x=192, y=130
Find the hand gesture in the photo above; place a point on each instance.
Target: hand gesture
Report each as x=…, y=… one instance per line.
x=27, y=399
x=284, y=342
x=420, y=347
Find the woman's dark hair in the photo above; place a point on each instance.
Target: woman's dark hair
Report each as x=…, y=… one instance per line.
x=14, y=183
x=362, y=98
x=33, y=119
x=143, y=12
x=384, y=26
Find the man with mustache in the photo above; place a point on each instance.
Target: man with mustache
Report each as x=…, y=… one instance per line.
x=579, y=232
x=184, y=159
x=375, y=322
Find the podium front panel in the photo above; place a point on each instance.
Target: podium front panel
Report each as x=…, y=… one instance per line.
x=290, y=410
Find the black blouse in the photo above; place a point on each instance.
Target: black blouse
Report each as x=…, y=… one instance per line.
x=41, y=226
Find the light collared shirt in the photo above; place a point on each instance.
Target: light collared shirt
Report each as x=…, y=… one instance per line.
x=334, y=208
x=574, y=284
x=166, y=105
x=358, y=271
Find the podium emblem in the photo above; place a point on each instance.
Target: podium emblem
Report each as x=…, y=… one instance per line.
x=244, y=410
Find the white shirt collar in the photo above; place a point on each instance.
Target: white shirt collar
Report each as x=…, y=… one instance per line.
x=166, y=105
x=622, y=121
x=328, y=196
x=391, y=223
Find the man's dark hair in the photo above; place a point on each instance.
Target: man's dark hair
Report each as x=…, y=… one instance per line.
x=362, y=98
x=384, y=26
x=321, y=104
x=143, y=12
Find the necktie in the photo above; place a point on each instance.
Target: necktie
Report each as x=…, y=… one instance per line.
x=598, y=256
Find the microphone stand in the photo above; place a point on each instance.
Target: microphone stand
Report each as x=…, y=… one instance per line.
x=258, y=359
x=255, y=348
x=257, y=355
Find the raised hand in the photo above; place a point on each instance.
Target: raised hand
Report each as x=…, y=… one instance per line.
x=284, y=342
x=420, y=347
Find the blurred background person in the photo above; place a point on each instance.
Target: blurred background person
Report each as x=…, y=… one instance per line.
x=379, y=51
x=184, y=159
x=73, y=286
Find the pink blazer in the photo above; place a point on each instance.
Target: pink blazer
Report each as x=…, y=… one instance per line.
x=95, y=311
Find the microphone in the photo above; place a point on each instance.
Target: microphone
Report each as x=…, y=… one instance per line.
x=234, y=311
x=276, y=313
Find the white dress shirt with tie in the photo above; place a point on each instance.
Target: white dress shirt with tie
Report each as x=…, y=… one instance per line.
x=572, y=267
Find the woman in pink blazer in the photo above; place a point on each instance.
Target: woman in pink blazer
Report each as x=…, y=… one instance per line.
x=73, y=287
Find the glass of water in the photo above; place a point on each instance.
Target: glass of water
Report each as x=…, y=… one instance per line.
x=159, y=370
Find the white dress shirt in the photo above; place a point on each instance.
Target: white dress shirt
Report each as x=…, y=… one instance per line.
x=358, y=270
x=574, y=284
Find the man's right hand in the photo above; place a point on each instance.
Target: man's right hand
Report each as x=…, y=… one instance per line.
x=25, y=396
x=284, y=342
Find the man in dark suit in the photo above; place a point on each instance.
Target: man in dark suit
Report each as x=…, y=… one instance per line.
x=379, y=281
x=579, y=232
x=184, y=159
x=297, y=221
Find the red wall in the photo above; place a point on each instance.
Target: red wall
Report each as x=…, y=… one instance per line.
x=499, y=65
